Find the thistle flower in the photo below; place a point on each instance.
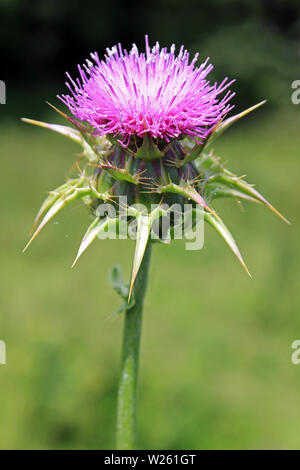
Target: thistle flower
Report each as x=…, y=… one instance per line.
x=145, y=123
x=155, y=93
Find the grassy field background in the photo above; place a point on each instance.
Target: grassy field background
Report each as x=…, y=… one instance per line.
x=216, y=367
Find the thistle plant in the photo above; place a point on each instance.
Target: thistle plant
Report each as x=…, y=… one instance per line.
x=145, y=123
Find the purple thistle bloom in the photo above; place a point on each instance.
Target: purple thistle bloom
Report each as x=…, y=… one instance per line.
x=155, y=93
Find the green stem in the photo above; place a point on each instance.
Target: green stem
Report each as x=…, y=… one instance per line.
x=126, y=417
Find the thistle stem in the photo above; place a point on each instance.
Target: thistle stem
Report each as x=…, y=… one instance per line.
x=126, y=415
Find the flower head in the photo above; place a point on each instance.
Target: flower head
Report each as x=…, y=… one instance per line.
x=155, y=93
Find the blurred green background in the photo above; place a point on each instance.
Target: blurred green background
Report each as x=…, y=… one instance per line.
x=215, y=370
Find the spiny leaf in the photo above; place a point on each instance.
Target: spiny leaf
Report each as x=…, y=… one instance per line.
x=216, y=222
x=89, y=141
x=54, y=195
x=218, y=129
x=89, y=237
x=120, y=174
x=96, y=227
x=224, y=125
x=228, y=122
x=82, y=129
x=229, y=179
x=247, y=188
x=49, y=201
x=216, y=173
x=58, y=205
x=219, y=190
x=73, y=134
x=185, y=191
x=93, y=146
x=142, y=236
